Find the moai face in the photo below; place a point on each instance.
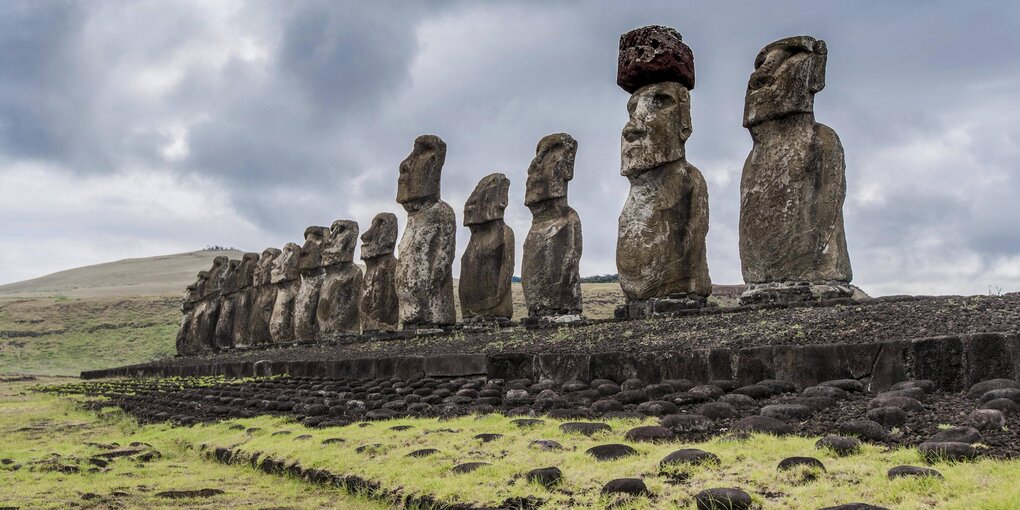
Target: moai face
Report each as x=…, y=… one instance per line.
x=381, y=238
x=488, y=201
x=264, y=267
x=212, y=283
x=286, y=267
x=311, y=251
x=228, y=278
x=203, y=280
x=552, y=168
x=421, y=170
x=787, y=74
x=246, y=270
x=659, y=125
x=340, y=243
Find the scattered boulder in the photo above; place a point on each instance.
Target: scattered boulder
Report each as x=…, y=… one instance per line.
x=649, y=434
x=723, y=499
x=983, y=387
x=718, y=411
x=606, y=405
x=888, y=416
x=908, y=404
x=689, y=456
x=547, y=477
x=841, y=446
x=657, y=408
x=468, y=467
x=527, y=422
x=914, y=393
x=793, y=462
x=947, y=451
x=586, y=428
x=200, y=493
x=832, y=392
x=485, y=438
x=848, y=385
x=762, y=425
x=755, y=391
x=787, y=412
x=779, y=385
x=968, y=435
x=629, y=486
x=986, y=419
x=610, y=451
x=738, y=401
x=912, y=471
x=424, y=452
x=925, y=384
x=708, y=389
x=1010, y=393
x=1004, y=405
x=681, y=424
x=865, y=429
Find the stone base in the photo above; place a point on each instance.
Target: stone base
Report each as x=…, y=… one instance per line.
x=428, y=329
x=794, y=292
x=657, y=307
x=486, y=323
x=553, y=321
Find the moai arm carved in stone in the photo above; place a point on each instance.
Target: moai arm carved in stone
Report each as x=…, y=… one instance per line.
x=285, y=276
x=312, y=275
x=380, y=310
x=424, y=269
x=486, y=269
x=660, y=251
x=265, y=296
x=550, y=272
x=339, y=306
x=792, y=242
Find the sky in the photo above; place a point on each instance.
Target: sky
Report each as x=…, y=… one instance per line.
x=133, y=129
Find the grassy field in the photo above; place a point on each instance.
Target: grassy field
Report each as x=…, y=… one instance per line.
x=39, y=425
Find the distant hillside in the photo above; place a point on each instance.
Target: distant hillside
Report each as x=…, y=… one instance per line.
x=166, y=275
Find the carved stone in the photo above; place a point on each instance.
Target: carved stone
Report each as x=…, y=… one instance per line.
x=380, y=310
x=338, y=311
x=654, y=54
x=552, y=250
x=185, y=335
x=208, y=309
x=225, y=320
x=244, y=301
x=285, y=276
x=424, y=276
x=793, y=183
x=486, y=269
x=264, y=291
x=306, y=328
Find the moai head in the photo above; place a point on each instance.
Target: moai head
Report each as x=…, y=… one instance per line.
x=213, y=280
x=264, y=267
x=787, y=75
x=340, y=243
x=421, y=170
x=246, y=270
x=654, y=54
x=659, y=125
x=286, y=266
x=200, y=283
x=228, y=278
x=488, y=200
x=552, y=168
x=311, y=251
x=381, y=238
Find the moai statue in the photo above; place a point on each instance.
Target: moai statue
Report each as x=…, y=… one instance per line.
x=380, y=310
x=339, y=306
x=424, y=276
x=285, y=277
x=229, y=286
x=265, y=297
x=552, y=250
x=487, y=267
x=244, y=301
x=660, y=248
x=312, y=275
x=208, y=310
x=185, y=339
x=792, y=243
x=193, y=342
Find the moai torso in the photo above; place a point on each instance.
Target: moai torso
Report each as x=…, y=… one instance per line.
x=285, y=276
x=486, y=269
x=306, y=328
x=424, y=269
x=244, y=301
x=338, y=311
x=264, y=291
x=793, y=183
x=228, y=300
x=380, y=310
x=208, y=309
x=550, y=269
x=185, y=335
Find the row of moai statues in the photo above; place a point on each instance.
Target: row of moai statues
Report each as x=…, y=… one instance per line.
x=792, y=243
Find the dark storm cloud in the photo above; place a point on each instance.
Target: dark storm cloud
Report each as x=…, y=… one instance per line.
x=288, y=115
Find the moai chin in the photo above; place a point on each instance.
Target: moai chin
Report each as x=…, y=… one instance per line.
x=660, y=249
x=306, y=329
x=792, y=242
x=285, y=276
x=424, y=275
x=550, y=271
x=380, y=310
x=486, y=269
x=264, y=291
x=340, y=297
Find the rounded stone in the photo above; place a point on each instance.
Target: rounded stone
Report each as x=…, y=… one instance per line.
x=545, y=445
x=914, y=393
x=793, y=462
x=888, y=416
x=1010, y=393
x=608, y=388
x=631, y=396
x=527, y=422
x=841, y=446
x=468, y=467
x=787, y=412
x=653, y=54
x=908, y=404
x=983, y=387
x=586, y=428
x=925, y=384
x=762, y=425
x=657, y=408
x=517, y=397
x=968, y=435
x=726, y=385
x=825, y=391
x=548, y=477
x=606, y=405
x=986, y=419
x=912, y=471
x=708, y=389
x=723, y=499
x=691, y=456
x=755, y=391
x=607, y=452
x=629, y=486
x=946, y=452
x=657, y=391
x=424, y=452
x=572, y=386
x=1004, y=405
x=649, y=434
x=632, y=384
x=682, y=424
x=816, y=403
x=718, y=411
x=486, y=438
x=864, y=429
x=684, y=398
x=779, y=385
x=848, y=385
x=738, y=401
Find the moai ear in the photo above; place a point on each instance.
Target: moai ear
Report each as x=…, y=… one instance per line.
x=818, y=60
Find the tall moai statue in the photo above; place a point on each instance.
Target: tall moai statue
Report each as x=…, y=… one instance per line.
x=380, y=310
x=487, y=267
x=193, y=338
x=225, y=320
x=208, y=310
x=244, y=301
x=792, y=243
x=338, y=312
x=264, y=291
x=185, y=338
x=552, y=250
x=424, y=268
x=660, y=248
x=285, y=276
x=306, y=304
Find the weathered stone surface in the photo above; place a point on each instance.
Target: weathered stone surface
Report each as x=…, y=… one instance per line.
x=380, y=310
x=244, y=301
x=285, y=277
x=552, y=250
x=306, y=328
x=265, y=296
x=208, y=309
x=660, y=250
x=654, y=54
x=487, y=266
x=794, y=182
x=424, y=277
x=225, y=319
x=338, y=309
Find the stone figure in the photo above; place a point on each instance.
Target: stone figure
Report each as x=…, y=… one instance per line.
x=380, y=310
x=244, y=301
x=487, y=267
x=552, y=250
x=312, y=275
x=209, y=308
x=424, y=276
x=264, y=291
x=285, y=276
x=338, y=311
x=660, y=250
x=225, y=320
x=193, y=342
x=185, y=335
x=792, y=243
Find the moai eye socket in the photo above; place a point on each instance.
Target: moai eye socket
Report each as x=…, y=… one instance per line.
x=663, y=100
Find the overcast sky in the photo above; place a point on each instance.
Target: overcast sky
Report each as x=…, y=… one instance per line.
x=131, y=129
